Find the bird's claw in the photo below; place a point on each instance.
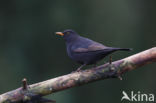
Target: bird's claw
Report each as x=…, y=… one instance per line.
x=78, y=70
x=110, y=60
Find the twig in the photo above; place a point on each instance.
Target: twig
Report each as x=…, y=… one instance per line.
x=24, y=81
x=105, y=71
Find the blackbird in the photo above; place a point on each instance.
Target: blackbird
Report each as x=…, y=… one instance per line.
x=85, y=51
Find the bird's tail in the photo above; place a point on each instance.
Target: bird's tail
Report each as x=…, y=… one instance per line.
x=110, y=50
x=122, y=49
x=125, y=49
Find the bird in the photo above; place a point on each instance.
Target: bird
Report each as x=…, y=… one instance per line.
x=85, y=51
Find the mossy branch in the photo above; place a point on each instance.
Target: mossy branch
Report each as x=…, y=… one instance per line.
x=33, y=93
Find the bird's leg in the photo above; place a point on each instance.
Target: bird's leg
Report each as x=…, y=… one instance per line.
x=112, y=68
x=79, y=69
x=110, y=64
x=110, y=60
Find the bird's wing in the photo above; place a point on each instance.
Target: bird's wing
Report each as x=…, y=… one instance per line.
x=90, y=48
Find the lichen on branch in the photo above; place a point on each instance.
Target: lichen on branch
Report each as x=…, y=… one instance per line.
x=115, y=69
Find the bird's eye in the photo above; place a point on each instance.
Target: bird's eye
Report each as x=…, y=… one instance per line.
x=68, y=33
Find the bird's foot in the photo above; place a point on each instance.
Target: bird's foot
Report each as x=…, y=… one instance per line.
x=110, y=64
x=78, y=70
x=113, y=68
x=110, y=60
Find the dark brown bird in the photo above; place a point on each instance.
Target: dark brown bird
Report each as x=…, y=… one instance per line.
x=84, y=50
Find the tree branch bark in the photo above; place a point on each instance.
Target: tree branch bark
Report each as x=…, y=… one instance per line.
x=35, y=92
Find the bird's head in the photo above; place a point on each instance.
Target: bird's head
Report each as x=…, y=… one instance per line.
x=68, y=35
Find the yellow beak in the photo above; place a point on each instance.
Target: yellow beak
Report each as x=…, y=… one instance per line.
x=59, y=33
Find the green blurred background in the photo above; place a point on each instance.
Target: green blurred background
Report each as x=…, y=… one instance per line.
x=29, y=48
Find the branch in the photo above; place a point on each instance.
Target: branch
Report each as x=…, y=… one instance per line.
x=34, y=92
